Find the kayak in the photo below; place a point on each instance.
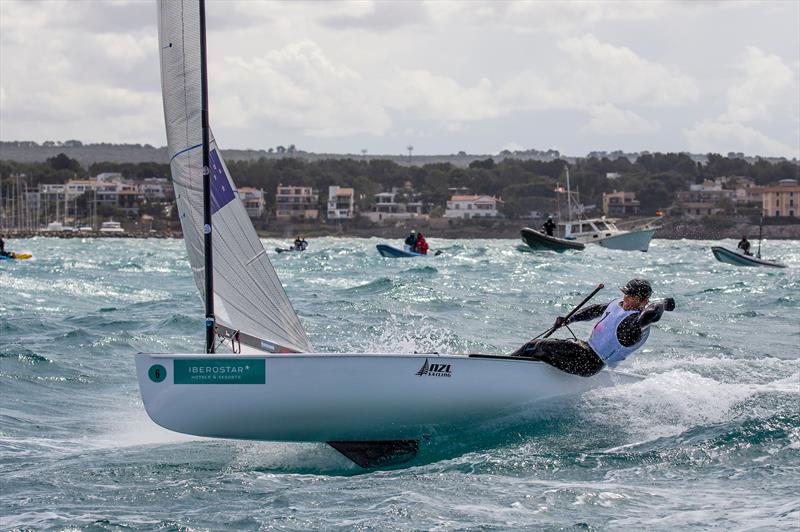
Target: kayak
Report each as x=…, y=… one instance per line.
x=16, y=256
x=739, y=259
x=539, y=241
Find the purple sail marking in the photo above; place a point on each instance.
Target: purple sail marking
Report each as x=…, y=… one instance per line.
x=222, y=191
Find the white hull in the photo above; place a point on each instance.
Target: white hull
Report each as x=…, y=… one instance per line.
x=627, y=241
x=353, y=397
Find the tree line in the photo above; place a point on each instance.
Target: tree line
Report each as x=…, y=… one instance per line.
x=655, y=177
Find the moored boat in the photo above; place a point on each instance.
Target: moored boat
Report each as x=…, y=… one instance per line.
x=537, y=240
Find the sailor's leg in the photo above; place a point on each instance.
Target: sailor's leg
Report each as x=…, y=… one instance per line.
x=571, y=356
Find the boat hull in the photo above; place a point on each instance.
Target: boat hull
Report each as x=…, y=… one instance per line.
x=393, y=252
x=348, y=397
x=629, y=241
x=540, y=241
x=738, y=259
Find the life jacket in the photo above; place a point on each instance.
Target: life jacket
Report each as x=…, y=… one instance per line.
x=604, y=339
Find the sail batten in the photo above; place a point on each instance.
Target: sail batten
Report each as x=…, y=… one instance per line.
x=248, y=296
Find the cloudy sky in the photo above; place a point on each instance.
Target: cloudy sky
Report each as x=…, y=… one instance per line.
x=443, y=76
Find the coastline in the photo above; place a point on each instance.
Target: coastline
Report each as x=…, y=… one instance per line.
x=489, y=229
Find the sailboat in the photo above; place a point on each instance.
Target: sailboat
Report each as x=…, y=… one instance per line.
x=258, y=377
x=604, y=232
x=736, y=258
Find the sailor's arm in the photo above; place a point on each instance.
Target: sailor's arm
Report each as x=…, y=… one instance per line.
x=630, y=330
x=589, y=313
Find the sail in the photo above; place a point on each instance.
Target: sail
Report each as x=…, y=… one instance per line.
x=249, y=301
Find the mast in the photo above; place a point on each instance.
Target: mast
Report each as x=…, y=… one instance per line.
x=569, y=198
x=760, y=226
x=209, y=265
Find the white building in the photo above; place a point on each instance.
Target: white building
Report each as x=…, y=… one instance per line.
x=293, y=202
x=474, y=206
x=253, y=199
x=341, y=203
x=386, y=207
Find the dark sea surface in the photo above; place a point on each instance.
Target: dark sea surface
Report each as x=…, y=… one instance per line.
x=709, y=439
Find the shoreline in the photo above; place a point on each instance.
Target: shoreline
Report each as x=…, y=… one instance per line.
x=495, y=230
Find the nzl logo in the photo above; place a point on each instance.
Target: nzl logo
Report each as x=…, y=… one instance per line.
x=435, y=370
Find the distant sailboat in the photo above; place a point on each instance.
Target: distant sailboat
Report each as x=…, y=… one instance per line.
x=268, y=384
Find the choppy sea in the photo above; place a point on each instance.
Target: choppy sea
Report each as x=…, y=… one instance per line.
x=709, y=439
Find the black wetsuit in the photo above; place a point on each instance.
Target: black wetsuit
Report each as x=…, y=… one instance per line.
x=576, y=356
x=548, y=227
x=744, y=245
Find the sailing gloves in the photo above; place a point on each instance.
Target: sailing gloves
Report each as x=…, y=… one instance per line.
x=669, y=304
x=560, y=321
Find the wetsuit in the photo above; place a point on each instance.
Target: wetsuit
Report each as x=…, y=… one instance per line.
x=744, y=245
x=548, y=227
x=618, y=334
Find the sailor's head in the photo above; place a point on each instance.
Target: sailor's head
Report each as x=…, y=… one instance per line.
x=413, y=232
x=549, y=218
x=637, y=293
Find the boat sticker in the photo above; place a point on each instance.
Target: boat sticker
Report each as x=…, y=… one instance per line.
x=219, y=371
x=435, y=370
x=157, y=373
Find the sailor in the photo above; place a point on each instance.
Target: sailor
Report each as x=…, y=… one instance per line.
x=303, y=243
x=549, y=226
x=623, y=328
x=298, y=244
x=744, y=245
x=2, y=246
x=411, y=241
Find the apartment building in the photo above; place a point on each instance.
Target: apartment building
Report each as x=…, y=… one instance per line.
x=253, y=200
x=341, y=203
x=294, y=202
x=620, y=203
x=781, y=199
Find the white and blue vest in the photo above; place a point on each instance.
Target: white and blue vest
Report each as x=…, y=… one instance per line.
x=604, y=339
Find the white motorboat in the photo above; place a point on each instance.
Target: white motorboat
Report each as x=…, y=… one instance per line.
x=111, y=227
x=604, y=232
x=269, y=385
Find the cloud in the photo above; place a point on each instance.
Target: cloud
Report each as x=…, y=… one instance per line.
x=607, y=73
x=608, y=119
x=299, y=88
x=381, y=15
x=428, y=96
x=764, y=80
x=765, y=77
x=718, y=135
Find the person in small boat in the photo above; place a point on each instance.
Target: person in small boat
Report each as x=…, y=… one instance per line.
x=2, y=246
x=411, y=241
x=300, y=243
x=422, y=245
x=623, y=328
x=549, y=226
x=744, y=245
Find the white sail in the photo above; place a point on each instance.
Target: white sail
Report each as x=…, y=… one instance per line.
x=248, y=296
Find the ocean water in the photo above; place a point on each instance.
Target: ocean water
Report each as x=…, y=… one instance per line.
x=710, y=438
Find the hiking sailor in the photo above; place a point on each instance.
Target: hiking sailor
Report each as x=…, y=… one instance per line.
x=623, y=328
